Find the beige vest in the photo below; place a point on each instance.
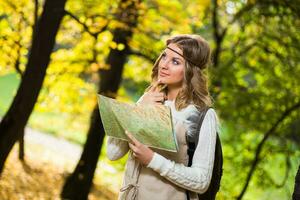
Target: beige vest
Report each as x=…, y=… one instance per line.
x=142, y=183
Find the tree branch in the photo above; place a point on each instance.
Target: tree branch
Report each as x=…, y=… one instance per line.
x=296, y=193
x=136, y=53
x=14, y=7
x=219, y=32
x=287, y=171
x=236, y=55
x=17, y=61
x=260, y=146
x=286, y=174
x=241, y=12
x=35, y=18
x=86, y=28
x=280, y=57
x=19, y=46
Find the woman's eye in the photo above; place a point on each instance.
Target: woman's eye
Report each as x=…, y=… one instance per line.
x=175, y=62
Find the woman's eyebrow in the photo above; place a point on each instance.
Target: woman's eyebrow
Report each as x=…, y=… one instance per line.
x=178, y=58
x=175, y=57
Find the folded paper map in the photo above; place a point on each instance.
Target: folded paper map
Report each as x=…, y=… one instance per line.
x=149, y=124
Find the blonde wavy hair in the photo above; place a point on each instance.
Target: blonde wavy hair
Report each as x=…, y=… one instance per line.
x=194, y=89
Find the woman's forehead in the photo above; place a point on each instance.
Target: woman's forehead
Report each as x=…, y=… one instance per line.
x=174, y=51
x=174, y=47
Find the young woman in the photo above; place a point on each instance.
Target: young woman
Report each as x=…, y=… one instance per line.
x=156, y=174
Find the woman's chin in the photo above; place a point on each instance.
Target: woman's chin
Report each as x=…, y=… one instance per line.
x=163, y=80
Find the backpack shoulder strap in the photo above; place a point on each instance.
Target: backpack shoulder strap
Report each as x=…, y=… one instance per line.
x=214, y=186
x=193, y=142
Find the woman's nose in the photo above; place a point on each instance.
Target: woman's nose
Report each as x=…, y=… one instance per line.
x=165, y=64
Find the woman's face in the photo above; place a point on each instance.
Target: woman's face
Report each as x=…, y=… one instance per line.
x=171, y=66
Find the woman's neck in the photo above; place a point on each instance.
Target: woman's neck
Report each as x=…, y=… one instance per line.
x=172, y=93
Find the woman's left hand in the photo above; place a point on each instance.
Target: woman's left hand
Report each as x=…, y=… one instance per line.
x=140, y=151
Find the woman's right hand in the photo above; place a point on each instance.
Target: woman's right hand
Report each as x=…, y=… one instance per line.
x=153, y=96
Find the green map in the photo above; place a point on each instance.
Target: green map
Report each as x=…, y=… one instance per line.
x=149, y=124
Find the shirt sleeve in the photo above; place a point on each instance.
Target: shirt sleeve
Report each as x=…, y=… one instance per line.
x=116, y=148
x=197, y=177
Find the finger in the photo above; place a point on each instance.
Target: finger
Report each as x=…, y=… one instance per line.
x=155, y=85
x=158, y=99
x=132, y=147
x=130, y=139
x=151, y=89
x=157, y=82
x=159, y=94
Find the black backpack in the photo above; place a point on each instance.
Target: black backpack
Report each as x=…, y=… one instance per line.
x=214, y=186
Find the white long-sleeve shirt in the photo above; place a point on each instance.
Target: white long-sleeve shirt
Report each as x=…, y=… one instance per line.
x=195, y=178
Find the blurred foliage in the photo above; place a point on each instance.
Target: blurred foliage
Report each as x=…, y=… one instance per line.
x=254, y=82
x=259, y=78
x=16, y=23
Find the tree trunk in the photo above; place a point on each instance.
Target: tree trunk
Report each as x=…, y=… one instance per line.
x=296, y=194
x=22, y=147
x=77, y=185
x=14, y=121
x=21, y=139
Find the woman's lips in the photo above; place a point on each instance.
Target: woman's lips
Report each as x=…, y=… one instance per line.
x=163, y=74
